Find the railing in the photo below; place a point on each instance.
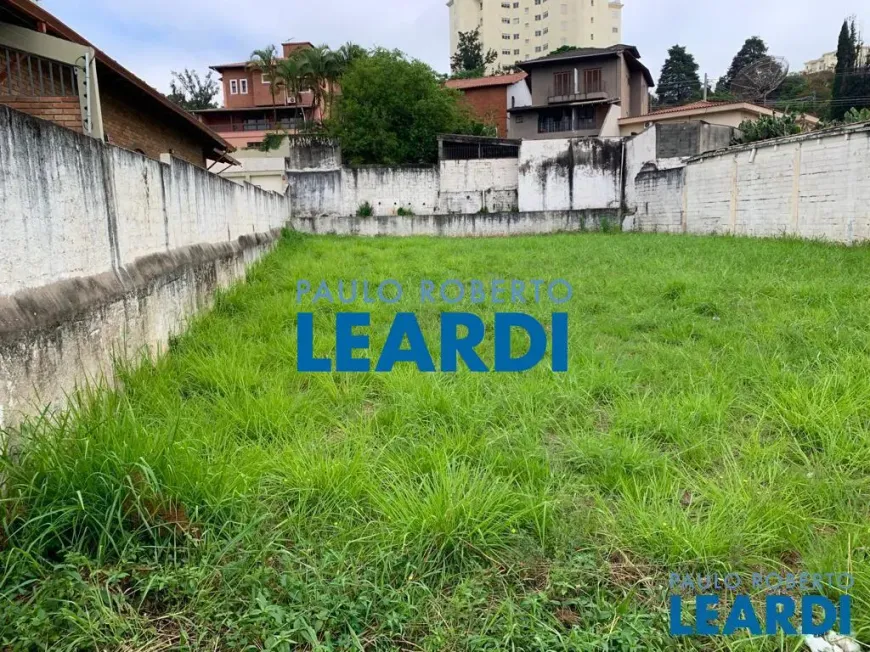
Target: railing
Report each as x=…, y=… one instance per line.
x=260, y=125
x=24, y=74
x=552, y=125
x=594, y=91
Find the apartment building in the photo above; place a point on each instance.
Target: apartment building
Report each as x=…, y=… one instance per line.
x=520, y=30
x=828, y=61
x=582, y=93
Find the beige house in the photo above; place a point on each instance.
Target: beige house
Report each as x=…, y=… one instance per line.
x=520, y=30
x=582, y=93
x=729, y=114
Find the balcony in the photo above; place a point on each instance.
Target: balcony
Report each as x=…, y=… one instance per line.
x=27, y=75
x=595, y=91
x=552, y=126
x=259, y=125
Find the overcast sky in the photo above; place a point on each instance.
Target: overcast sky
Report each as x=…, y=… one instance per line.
x=153, y=37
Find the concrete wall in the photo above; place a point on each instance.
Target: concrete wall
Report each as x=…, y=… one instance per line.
x=458, y=226
x=570, y=174
x=107, y=251
x=811, y=186
x=474, y=185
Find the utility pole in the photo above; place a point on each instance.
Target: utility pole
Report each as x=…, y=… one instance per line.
x=705, y=86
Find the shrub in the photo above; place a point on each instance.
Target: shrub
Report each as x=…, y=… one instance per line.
x=365, y=210
x=767, y=127
x=854, y=115
x=404, y=212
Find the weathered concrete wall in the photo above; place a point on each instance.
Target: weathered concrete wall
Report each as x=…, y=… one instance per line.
x=460, y=226
x=106, y=251
x=475, y=185
x=570, y=174
x=810, y=186
x=683, y=139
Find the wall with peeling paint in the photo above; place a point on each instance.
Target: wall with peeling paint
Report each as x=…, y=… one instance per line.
x=107, y=251
x=570, y=174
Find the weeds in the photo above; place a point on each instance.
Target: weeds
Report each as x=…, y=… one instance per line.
x=365, y=210
x=715, y=416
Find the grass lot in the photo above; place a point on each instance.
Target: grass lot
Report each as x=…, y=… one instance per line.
x=715, y=417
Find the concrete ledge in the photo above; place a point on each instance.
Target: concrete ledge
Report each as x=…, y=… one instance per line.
x=57, y=337
x=464, y=225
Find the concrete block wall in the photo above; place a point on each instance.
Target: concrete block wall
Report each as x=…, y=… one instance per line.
x=811, y=186
x=472, y=186
x=107, y=251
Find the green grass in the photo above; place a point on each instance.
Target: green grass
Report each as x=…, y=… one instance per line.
x=716, y=417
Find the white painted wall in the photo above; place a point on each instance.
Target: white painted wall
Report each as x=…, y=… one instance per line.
x=73, y=206
x=570, y=174
x=811, y=186
x=518, y=94
x=470, y=186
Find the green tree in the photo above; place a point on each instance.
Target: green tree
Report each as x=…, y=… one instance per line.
x=768, y=126
x=563, y=49
x=321, y=69
x=679, y=81
x=266, y=61
x=392, y=109
x=469, y=60
x=347, y=54
x=290, y=77
x=191, y=92
x=754, y=49
x=852, y=75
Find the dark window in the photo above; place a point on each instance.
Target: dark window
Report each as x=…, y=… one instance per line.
x=562, y=83
x=592, y=81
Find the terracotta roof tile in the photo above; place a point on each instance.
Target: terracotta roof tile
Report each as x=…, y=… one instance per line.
x=482, y=82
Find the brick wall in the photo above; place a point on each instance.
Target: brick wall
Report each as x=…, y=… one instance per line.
x=135, y=121
x=64, y=111
x=489, y=105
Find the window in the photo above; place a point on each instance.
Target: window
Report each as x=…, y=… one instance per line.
x=537, y=2
x=506, y=5
x=518, y=119
x=562, y=83
x=506, y=37
x=506, y=52
x=546, y=14
x=234, y=87
x=616, y=30
x=592, y=81
x=537, y=16
x=592, y=20
x=537, y=32
x=516, y=37
x=265, y=79
x=506, y=21
x=517, y=52
x=516, y=5
x=546, y=46
x=592, y=37
x=546, y=30
x=243, y=86
x=537, y=48
x=516, y=21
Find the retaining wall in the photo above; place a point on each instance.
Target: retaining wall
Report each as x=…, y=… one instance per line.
x=459, y=226
x=105, y=251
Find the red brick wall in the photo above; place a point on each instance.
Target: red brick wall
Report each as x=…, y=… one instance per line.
x=65, y=111
x=137, y=122
x=489, y=104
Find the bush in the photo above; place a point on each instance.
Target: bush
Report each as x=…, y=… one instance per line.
x=365, y=210
x=854, y=115
x=404, y=212
x=767, y=127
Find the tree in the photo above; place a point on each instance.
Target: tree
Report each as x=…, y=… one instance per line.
x=563, y=49
x=852, y=75
x=347, y=54
x=290, y=76
x=191, y=92
x=754, y=49
x=321, y=70
x=469, y=59
x=391, y=110
x=266, y=61
x=768, y=126
x=679, y=81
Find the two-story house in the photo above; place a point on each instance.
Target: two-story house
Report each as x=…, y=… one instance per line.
x=248, y=113
x=582, y=93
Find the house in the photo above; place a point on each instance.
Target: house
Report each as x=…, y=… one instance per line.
x=582, y=93
x=729, y=114
x=248, y=113
x=489, y=98
x=51, y=72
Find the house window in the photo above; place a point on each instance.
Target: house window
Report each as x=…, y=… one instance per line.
x=562, y=83
x=537, y=16
x=265, y=79
x=592, y=20
x=616, y=30
x=546, y=46
x=592, y=81
x=537, y=48
x=517, y=52
x=506, y=5
x=506, y=37
x=546, y=14
x=506, y=21
x=243, y=86
x=234, y=87
x=592, y=37
x=506, y=52
x=537, y=32
x=516, y=37
x=546, y=30
x=516, y=5
x=516, y=21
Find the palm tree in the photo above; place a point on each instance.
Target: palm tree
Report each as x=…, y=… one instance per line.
x=291, y=77
x=266, y=61
x=321, y=71
x=347, y=54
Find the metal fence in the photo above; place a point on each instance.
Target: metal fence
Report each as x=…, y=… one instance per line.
x=463, y=150
x=24, y=74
